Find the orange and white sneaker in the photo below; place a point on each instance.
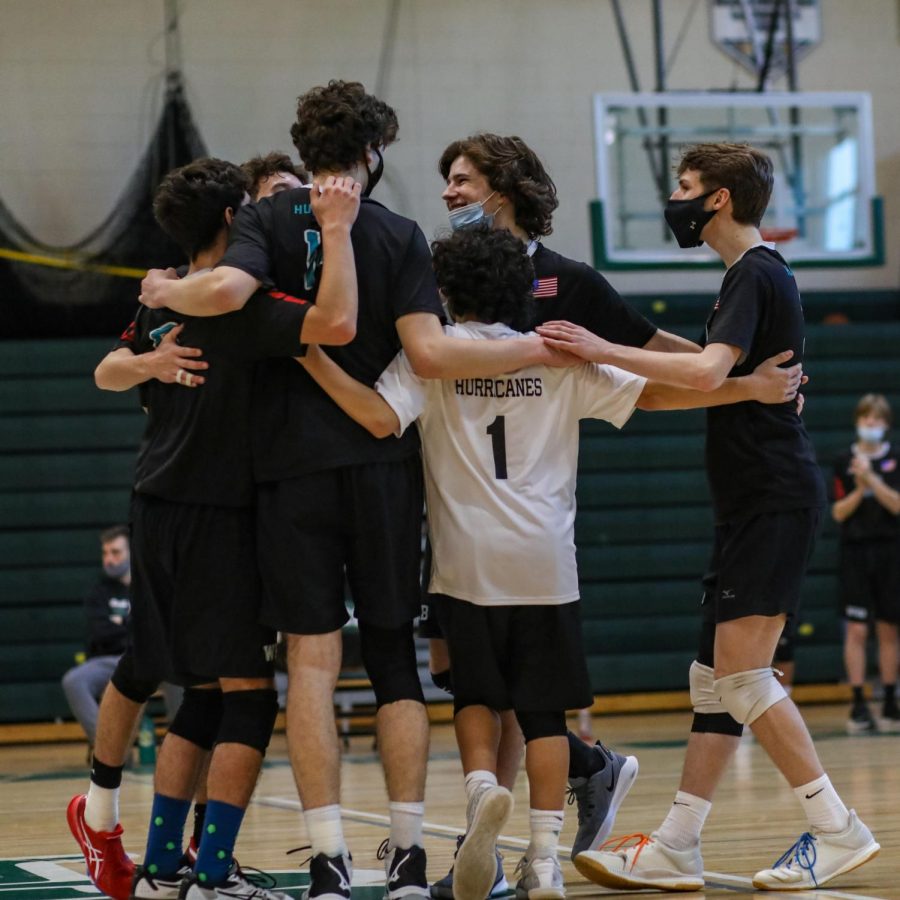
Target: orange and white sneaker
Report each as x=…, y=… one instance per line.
x=108, y=865
x=647, y=863
x=818, y=856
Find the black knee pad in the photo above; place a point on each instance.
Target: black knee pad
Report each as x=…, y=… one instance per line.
x=199, y=717
x=536, y=725
x=716, y=723
x=248, y=717
x=124, y=681
x=389, y=655
x=443, y=680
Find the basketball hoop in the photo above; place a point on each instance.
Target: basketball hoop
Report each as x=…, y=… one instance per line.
x=778, y=235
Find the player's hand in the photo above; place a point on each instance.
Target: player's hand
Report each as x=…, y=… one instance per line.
x=801, y=400
x=574, y=339
x=172, y=363
x=773, y=384
x=153, y=287
x=335, y=202
x=540, y=353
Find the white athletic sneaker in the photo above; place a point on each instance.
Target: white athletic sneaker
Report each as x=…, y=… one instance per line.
x=540, y=879
x=647, y=864
x=476, y=862
x=818, y=856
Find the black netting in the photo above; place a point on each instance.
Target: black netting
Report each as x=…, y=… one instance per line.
x=40, y=300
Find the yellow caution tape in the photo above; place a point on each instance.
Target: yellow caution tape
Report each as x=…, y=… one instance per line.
x=57, y=262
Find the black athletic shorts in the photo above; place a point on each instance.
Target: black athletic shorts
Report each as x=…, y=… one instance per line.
x=526, y=658
x=758, y=564
x=365, y=521
x=196, y=593
x=870, y=581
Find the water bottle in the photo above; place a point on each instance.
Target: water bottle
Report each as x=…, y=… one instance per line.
x=146, y=741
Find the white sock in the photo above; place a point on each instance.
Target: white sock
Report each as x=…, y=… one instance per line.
x=101, y=809
x=476, y=781
x=682, y=826
x=546, y=825
x=406, y=824
x=823, y=807
x=326, y=834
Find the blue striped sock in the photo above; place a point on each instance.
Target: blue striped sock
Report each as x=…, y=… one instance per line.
x=164, y=840
x=220, y=831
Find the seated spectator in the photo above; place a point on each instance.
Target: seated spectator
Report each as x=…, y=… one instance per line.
x=107, y=608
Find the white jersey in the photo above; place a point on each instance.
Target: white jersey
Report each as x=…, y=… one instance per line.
x=500, y=457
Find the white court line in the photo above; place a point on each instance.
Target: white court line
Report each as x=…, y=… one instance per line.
x=512, y=843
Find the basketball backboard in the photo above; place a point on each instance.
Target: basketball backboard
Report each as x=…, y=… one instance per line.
x=824, y=210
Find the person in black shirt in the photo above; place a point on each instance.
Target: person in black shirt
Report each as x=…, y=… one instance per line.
x=867, y=506
x=332, y=498
x=196, y=591
x=106, y=608
x=767, y=495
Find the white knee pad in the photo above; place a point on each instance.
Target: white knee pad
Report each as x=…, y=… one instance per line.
x=747, y=695
x=704, y=697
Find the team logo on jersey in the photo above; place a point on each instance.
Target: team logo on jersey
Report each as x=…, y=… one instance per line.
x=545, y=287
x=888, y=465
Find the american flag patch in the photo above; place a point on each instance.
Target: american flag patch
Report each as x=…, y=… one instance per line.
x=546, y=287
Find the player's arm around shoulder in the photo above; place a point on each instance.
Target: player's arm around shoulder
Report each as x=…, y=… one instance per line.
x=363, y=404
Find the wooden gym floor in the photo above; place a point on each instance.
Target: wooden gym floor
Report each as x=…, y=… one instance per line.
x=755, y=817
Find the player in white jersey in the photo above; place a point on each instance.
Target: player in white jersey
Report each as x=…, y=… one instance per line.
x=500, y=461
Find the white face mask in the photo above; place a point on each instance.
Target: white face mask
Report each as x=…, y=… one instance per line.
x=870, y=434
x=472, y=214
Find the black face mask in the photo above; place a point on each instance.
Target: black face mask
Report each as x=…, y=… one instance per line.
x=374, y=175
x=688, y=218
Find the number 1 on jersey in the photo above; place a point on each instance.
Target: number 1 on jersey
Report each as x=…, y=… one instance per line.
x=313, y=240
x=497, y=431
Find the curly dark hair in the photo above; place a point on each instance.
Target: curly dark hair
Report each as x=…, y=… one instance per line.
x=513, y=169
x=744, y=170
x=261, y=167
x=190, y=202
x=487, y=274
x=337, y=123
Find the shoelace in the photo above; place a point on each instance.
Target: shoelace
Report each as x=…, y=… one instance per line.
x=616, y=844
x=804, y=853
x=257, y=877
x=300, y=850
x=585, y=809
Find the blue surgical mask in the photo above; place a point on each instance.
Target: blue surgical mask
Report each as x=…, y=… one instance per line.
x=471, y=215
x=117, y=570
x=870, y=434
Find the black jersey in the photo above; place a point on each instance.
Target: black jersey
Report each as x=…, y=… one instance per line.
x=297, y=428
x=759, y=457
x=574, y=292
x=107, y=608
x=871, y=521
x=196, y=446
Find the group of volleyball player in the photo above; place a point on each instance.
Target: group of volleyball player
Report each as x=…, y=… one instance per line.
x=283, y=373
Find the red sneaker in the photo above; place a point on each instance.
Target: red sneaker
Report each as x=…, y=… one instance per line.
x=190, y=855
x=108, y=866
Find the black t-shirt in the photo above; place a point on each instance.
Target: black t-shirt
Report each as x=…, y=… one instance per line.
x=759, y=457
x=871, y=521
x=107, y=608
x=572, y=291
x=196, y=446
x=297, y=428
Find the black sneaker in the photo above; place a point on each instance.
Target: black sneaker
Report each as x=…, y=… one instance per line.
x=889, y=720
x=404, y=871
x=329, y=877
x=860, y=721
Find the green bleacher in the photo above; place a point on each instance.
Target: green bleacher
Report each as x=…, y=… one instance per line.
x=644, y=526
